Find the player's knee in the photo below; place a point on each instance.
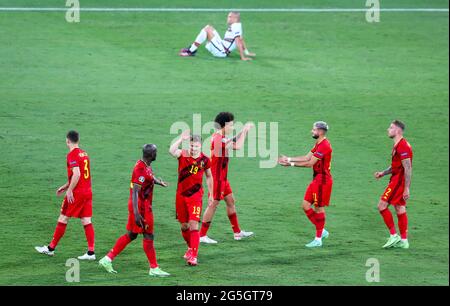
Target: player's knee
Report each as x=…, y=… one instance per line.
x=193, y=225
x=86, y=221
x=184, y=227
x=213, y=204
x=306, y=205
x=382, y=205
x=148, y=236
x=132, y=236
x=63, y=219
x=400, y=210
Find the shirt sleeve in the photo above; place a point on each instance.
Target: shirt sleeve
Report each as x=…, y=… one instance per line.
x=138, y=176
x=320, y=151
x=207, y=163
x=236, y=29
x=73, y=161
x=404, y=151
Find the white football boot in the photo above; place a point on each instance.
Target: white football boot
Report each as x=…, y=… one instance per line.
x=206, y=239
x=242, y=235
x=44, y=250
x=86, y=256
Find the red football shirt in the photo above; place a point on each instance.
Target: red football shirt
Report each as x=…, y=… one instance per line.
x=322, y=151
x=219, y=157
x=79, y=158
x=142, y=176
x=402, y=150
x=190, y=173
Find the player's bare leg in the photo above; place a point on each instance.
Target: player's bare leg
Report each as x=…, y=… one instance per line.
x=194, y=243
x=149, y=250
x=121, y=243
x=403, y=227
x=206, y=222
x=394, y=238
x=207, y=33
x=317, y=217
x=58, y=234
x=90, y=238
x=232, y=216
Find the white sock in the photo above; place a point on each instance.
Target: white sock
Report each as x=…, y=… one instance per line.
x=318, y=239
x=404, y=240
x=393, y=235
x=201, y=37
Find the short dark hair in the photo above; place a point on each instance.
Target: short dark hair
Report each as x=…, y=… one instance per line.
x=73, y=136
x=149, y=151
x=223, y=118
x=399, y=124
x=196, y=138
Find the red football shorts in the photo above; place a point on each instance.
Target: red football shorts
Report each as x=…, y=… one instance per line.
x=221, y=190
x=148, y=222
x=394, y=193
x=80, y=208
x=188, y=208
x=319, y=193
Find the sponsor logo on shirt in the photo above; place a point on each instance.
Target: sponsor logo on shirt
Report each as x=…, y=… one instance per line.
x=141, y=179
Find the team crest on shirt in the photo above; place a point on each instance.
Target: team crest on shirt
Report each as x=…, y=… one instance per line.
x=141, y=179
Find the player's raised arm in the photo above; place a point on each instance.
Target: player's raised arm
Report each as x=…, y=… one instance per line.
x=73, y=183
x=174, y=149
x=238, y=141
x=407, y=166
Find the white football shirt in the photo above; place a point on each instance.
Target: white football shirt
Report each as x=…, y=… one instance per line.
x=234, y=30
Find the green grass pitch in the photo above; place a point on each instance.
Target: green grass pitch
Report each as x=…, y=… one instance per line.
x=116, y=78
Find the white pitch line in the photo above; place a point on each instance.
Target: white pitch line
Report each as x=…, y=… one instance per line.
x=255, y=10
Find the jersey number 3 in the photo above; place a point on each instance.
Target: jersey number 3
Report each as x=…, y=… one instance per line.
x=86, y=169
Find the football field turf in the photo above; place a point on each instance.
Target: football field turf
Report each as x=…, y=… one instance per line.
x=117, y=79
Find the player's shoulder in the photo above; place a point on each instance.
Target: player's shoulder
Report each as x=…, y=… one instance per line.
x=325, y=144
x=205, y=157
x=236, y=27
x=404, y=145
x=75, y=153
x=138, y=165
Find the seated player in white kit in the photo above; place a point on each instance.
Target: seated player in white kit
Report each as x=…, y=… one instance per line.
x=221, y=47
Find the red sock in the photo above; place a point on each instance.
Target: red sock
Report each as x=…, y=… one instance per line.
x=205, y=228
x=121, y=243
x=320, y=224
x=311, y=214
x=149, y=250
x=195, y=242
x=234, y=223
x=186, y=235
x=403, y=225
x=90, y=236
x=389, y=220
x=59, y=232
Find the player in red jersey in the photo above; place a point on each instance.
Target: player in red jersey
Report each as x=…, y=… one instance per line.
x=318, y=194
x=140, y=212
x=77, y=202
x=220, y=144
x=192, y=164
x=397, y=192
